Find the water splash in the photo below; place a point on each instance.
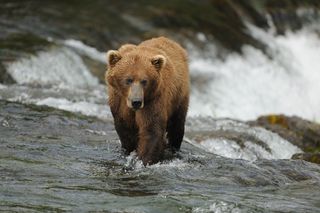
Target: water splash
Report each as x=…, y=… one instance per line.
x=285, y=80
x=83, y=107
x=56, y=67
x=218, y=207
x=249, y=143
x=86, y=50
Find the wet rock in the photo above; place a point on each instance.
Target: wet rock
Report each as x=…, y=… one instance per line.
x=300, y=132
x=311, y=157
x=97, y=68
x=285, y=16
x=100, y=24
x=5, y=78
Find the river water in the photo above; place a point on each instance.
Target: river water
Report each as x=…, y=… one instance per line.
x=53, y=160
x=59, y=150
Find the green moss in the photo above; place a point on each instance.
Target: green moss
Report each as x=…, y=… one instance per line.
x=312, y=149
x=278, y=120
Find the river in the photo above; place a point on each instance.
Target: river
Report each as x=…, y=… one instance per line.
x=58, y=147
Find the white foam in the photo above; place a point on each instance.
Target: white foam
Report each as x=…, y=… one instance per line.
x=86, y=50
x=86, y=108
x=253, y=84
x=176, y=163
x=201, y=37
x=103, y=133
x=133, y=162
x=2, y=86
x=218, y=207
x=230, y=149
x=279, y=147
x=55, y=67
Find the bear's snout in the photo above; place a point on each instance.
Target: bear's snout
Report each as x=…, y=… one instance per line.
x=135, y=97
x=136, y=104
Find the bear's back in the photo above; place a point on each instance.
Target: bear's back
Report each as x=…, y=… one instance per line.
x=172, y=49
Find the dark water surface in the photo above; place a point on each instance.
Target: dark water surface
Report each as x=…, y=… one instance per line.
x=52, y=160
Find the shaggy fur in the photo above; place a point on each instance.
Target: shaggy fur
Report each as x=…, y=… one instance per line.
x=156, y=71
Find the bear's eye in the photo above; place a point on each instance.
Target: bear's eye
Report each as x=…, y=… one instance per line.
x=144, y=82
x=129, y=81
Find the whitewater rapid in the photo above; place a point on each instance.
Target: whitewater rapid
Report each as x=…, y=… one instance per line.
x=282, y=80
x=240, y=86
x=285, y=80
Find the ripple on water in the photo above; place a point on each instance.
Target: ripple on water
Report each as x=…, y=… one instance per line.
x=50, y=160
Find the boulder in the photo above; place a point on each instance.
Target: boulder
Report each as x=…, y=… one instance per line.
x=300, y=132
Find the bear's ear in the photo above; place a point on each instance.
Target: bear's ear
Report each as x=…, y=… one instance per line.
x=158, y=62
x=113, y=56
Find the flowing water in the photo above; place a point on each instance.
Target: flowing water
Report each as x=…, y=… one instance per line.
x=59, y=150
x=71, y=162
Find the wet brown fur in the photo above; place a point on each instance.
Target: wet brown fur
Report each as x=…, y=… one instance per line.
x=166, y=97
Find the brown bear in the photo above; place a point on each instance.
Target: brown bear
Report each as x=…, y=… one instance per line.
x=148, y=86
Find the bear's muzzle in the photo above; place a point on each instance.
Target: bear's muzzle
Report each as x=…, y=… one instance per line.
x=135, y=97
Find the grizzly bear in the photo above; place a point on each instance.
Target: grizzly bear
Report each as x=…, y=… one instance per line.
x=148, y=87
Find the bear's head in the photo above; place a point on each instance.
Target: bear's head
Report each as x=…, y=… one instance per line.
x=135, y=75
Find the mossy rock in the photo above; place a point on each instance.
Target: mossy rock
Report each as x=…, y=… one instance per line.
x=311, y=157
x=300, y=132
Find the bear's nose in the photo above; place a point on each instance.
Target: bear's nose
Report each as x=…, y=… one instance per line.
x=136, y=104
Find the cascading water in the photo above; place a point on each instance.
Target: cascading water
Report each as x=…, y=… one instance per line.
x=53, y=160
x=240, y=86
x=244, y=86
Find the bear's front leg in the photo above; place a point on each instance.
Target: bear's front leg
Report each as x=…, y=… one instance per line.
x=152, y=129
x=128, y=135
